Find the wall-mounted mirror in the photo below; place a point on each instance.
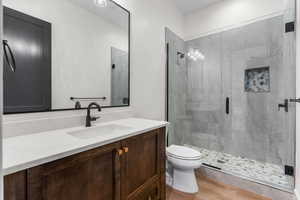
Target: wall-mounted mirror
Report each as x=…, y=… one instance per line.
x=65, y=54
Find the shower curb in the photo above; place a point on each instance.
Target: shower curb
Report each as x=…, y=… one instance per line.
x=257, y=188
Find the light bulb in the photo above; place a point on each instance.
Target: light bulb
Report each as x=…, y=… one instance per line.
x=195, y=54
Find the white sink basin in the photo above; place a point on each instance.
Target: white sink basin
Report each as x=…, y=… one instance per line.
x=99, y=131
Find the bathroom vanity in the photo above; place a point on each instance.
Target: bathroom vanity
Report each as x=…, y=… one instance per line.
x=126, y=160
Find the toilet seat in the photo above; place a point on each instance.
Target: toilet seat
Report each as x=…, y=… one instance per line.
x=183, y=153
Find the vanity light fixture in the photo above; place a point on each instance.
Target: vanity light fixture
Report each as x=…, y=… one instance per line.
x=101, y=3
x=195, y=54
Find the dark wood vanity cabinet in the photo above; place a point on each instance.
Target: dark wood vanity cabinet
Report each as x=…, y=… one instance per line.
x=143, y=167
x=132, y=169
x=15, y=187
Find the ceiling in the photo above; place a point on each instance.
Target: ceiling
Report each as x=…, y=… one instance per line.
x=188, y=6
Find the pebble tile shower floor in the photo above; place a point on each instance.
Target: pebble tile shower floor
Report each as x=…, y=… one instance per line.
x=264, y=173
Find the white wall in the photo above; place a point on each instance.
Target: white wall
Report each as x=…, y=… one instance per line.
x=81, y=48
x=149, y=18
x=297, y=191
x=228, y=14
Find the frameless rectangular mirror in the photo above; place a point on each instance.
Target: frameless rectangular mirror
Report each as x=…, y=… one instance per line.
x=65, y=54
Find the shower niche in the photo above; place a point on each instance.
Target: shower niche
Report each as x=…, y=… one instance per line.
x=257, y=80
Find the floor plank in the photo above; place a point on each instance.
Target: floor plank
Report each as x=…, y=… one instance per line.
x=213, y=190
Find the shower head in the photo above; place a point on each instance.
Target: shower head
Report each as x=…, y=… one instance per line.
x=182, y=55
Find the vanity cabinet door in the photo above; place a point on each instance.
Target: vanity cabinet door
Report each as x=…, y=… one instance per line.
x=91, y=175
x=142, y=166
x=15, y=186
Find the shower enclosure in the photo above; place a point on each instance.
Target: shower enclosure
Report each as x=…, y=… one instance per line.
x=231, y=99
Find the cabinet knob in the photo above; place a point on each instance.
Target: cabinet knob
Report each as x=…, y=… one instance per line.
x=120, y=152
x=126, y=149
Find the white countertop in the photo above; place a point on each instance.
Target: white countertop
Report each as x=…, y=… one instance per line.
x=23, y=152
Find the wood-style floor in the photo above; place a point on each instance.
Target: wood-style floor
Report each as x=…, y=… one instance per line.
x=213, y=190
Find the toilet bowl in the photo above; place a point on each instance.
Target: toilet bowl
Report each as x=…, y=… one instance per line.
x=183, y=161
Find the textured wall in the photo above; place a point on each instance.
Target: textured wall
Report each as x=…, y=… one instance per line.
x=177, y=84
x=255, y=128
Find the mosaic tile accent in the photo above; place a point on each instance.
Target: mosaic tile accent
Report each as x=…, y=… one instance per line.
x=264, y=173
x=257, y=80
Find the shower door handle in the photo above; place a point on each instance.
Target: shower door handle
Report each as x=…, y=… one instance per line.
x=227, y=106
x=284, y=105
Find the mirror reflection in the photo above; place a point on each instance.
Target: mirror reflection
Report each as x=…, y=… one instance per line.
x=65, y=54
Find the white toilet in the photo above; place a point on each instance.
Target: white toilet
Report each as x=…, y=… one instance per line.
x=183, y=161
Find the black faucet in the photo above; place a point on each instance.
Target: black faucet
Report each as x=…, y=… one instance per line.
x=89, y=119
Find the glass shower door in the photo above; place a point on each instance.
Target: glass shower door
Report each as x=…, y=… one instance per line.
x=206, y=103
x=260, y=59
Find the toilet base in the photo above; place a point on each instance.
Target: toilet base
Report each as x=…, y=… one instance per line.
x=185, y=181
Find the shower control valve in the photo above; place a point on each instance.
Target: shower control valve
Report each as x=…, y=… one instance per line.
x=284, y=105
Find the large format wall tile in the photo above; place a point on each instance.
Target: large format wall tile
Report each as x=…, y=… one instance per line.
x=255, y=128
x=177, y=88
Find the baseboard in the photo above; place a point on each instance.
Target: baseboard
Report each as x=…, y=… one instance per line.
x=297, y=194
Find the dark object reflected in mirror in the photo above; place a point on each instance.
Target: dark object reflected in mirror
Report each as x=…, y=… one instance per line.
x=63, y=49
x=119, y=77
x=77, y=105
x=28, y=39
